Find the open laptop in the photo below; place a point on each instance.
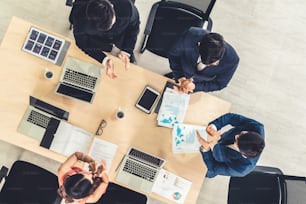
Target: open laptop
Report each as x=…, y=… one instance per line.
x=139, y=169
x=79, y=80
x=38, y=116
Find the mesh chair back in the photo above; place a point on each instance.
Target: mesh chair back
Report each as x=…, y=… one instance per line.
x=294, y=189
x=28, y=183
x=203, y=5
x=171, y=20
x=255, y=188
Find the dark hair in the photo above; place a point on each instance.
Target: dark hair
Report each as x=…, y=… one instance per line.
x=250, y=144
x=77, y=186
x=100, y=13
x=212, y=48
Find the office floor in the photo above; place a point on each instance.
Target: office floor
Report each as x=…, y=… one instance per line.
x=268, y=85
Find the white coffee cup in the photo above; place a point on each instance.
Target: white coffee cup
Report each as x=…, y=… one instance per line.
x=48, y=74
x=120, y=114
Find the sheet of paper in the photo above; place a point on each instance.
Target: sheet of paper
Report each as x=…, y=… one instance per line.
x=69, y=139
x=103, y=150
x=173, y=108
x=171, y=186
x=184, y=139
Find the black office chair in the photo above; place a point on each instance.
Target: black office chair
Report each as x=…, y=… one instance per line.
x=267, y=185
x=29, y=183
x=169, y=19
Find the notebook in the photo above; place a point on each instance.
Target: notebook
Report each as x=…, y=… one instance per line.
x=39, y=117
x=79, y=80
x=139, y=169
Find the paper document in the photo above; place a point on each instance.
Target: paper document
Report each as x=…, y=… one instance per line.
x=171, y=186
x=103, y=150
x=173, y=108
x=184, y=138
x=69, y=139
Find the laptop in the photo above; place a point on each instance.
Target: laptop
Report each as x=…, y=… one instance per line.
x=79, y=80
x=139, y=169
x=39, y=116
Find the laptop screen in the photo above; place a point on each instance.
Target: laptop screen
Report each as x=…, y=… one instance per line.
x=74, y=92
x=48, y=108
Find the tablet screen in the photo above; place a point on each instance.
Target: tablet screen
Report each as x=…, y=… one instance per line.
x=147, y=99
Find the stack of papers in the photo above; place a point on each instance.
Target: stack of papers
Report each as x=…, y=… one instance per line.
x=102, y=150
x=173, y=108
x=184, y=138
x=171, y=186
x=69, y=139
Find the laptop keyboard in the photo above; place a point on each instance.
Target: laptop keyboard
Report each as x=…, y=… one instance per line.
x=140, y=170
x=38, y=119
x=80, y=78
x=146, y=157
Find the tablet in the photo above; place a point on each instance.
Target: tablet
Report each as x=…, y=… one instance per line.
x=147, y=99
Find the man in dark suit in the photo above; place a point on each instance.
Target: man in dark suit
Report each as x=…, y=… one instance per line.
x=236, y=151
x=99, y=25
x=202, y=61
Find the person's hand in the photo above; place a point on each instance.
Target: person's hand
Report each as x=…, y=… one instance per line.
x=110, y=69
x=202, y=141
x=185, y=85
x=124, y=59
x=92, y=166
x=101, y=168
x=212, y=132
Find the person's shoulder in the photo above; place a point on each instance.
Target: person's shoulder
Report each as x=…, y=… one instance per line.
x=198, y=31
x=230, y=53
x=123, y=8
x=195, y=34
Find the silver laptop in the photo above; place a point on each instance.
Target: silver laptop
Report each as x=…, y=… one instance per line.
x=38, y=117
x=79, y=80
x=139, y=169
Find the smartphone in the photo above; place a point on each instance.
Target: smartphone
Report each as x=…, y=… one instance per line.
x=147, y=99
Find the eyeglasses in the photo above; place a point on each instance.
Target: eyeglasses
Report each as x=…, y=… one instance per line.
x=102, y=125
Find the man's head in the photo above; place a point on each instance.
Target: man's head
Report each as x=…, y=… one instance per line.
x=250, y=143
x=101, y=14
x=212, y=48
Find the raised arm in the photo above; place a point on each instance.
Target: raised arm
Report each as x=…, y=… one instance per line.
x=71, y=161
x=235, y=120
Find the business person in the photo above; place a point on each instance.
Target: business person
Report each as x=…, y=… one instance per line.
x=98, y=25
x=77, y=185
x=202, y=61
x=236, y=151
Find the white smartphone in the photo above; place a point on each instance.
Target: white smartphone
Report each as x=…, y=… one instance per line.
x=147, y=99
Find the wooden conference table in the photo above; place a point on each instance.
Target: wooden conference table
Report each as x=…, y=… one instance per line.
x=21, y=75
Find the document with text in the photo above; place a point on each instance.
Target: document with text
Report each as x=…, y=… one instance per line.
x=103, y=150
x=171, y=186
x=184, y=138
x=69, y=139
x=173, y=108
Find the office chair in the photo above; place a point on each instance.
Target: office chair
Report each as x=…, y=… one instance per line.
x=169, y=19
x=267, y=185
x=29, y=183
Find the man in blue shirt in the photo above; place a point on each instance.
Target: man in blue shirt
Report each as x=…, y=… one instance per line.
x=236, y=151
x=202, y=61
